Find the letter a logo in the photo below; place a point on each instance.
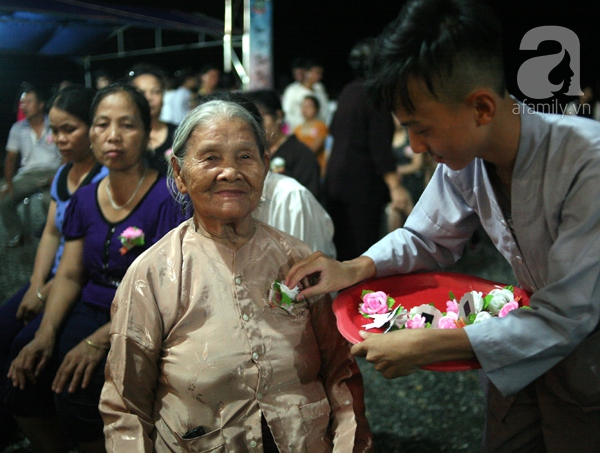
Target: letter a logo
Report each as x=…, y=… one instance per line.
x=536, y=76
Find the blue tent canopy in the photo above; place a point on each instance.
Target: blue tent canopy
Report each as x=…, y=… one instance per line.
x=76, y=28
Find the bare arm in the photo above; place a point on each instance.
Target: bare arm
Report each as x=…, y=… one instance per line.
x=400, y=197
x=31, y=304
x=67, y=286
x=80, y=362
x=402, y=352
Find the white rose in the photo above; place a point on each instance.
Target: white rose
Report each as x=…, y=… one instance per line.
x=500, y=297
x=477, y=300
x=481, y=316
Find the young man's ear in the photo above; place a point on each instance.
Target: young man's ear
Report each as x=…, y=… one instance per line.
x=484, y=106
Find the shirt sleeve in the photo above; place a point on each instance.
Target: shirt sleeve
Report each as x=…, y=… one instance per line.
x=13, y=143
x=519, y=348
x=74, y=226
x=168, y=216
x=135, y=335
x=343, y=383
x=433, y=236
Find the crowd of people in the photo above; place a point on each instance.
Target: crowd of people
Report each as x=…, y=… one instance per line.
x=176, y=209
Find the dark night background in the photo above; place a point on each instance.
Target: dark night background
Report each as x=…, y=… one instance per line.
x=322, y=29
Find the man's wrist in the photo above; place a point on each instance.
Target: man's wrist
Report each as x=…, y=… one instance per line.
x=363, y=267
x=446, y=344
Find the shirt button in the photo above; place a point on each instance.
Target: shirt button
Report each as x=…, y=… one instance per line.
x=238, y=281
x=245, y=317
x=253, y=444
x=518, y=259
x=503, y=222
x=255, y=356
x=258, y=395
x=108, y=242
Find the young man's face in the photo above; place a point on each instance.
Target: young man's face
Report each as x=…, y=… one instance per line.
x=449, y=132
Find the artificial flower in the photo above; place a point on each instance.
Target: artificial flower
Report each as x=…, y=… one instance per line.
x=508, y=308
x=374, y=303
x=482, y=316
x=473, y=308
x=131, y=237
x=452, y=306
x=416, y=322
x=497, y=298
x=448, y=321
x=380, y=319
x=283, y=297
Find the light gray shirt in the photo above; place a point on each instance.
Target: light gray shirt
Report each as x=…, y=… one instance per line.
x=37, y=153
x=555, y=252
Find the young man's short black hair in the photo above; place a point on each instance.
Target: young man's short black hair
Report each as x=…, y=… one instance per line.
x=451, y=45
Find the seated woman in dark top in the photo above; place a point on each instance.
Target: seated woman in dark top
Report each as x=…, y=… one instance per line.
x=289, y=155
x=151, y=81
x=107, y=226
x=21, y=314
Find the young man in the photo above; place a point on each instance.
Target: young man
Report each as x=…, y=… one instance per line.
x=31, y=140
x=531, y=180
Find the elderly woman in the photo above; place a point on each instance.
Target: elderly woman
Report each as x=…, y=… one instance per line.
x=203, y=356
x=103, y=229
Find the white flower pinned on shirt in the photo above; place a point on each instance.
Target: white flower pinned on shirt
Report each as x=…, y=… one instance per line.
x=283, y=297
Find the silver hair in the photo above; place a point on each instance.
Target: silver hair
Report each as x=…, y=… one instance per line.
x=200, y=117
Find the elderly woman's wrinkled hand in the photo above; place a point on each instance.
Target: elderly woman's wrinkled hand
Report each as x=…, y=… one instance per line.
x=78, y=366
x=32, y=359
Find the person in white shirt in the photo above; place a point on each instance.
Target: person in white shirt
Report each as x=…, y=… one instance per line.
x=178, y=102
x=294, y=95
x=30, y=140
x=289, y=206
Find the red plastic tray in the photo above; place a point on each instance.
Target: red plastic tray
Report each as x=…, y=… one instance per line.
x=411, y=290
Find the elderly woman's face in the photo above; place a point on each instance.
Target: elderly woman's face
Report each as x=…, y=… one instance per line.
x=117, y=134
x=223, y=171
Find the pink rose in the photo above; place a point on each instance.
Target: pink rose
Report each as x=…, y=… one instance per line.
x=452, y=307
x=375, y=303
x=416, y=322
x=447, y=322
x=508, y=308
x=131, y=233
